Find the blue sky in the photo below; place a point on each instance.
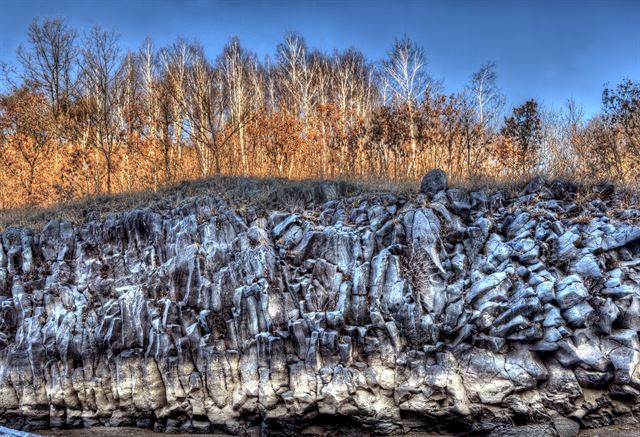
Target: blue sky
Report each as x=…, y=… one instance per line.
x=550, y=50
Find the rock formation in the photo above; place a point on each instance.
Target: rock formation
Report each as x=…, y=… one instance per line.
x=464, y=312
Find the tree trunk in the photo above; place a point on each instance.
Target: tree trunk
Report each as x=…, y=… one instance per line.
x=108, y=158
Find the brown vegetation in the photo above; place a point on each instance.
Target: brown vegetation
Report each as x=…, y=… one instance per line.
x=262, y=194
x=80, y=119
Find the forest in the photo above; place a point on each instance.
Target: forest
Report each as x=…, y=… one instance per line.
x=80, y=116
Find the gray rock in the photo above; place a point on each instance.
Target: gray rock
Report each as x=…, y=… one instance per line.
x=481, y=287
x=434, y=181
x=515, y=227
x=631, y=317
x=587, y=267
x=579, y=315
x=570, y=291
x=592, y=378
x=537, y=430
x=566, y=427
x=545, y=292
x=608, y=313
x=565, y=247
x=621, y=237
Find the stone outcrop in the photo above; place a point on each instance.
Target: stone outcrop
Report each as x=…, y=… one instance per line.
x=467, y=312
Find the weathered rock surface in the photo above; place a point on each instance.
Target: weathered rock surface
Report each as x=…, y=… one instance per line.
x=473, y=313
x=434, y=181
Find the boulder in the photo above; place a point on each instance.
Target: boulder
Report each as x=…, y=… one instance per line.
x=434, y=181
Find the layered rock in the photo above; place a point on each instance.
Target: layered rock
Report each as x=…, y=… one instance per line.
x=460, y=311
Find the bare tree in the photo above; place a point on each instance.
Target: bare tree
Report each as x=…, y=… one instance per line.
x=8, y=76
x=489, y=99
x=408, y=81
x=487, y=103
x=206, y=106
x=158, y=111
x=238, y=68
x=151, y=105
x=297, y=76
x=175, y=62
x=202, y=109
x=130, y=114
x=101, y=76
x=49, y=61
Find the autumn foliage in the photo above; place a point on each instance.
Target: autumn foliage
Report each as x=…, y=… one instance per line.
x=80, y=117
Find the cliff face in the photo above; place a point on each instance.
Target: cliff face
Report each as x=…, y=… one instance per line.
x=376, y=314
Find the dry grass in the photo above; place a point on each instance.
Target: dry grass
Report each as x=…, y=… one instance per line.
x=262, y=194
x=265, y=194
x=417, y=266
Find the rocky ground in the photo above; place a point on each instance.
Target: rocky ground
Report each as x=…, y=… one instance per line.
x=607, y=431
x=120, y=432
x=454, y=312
